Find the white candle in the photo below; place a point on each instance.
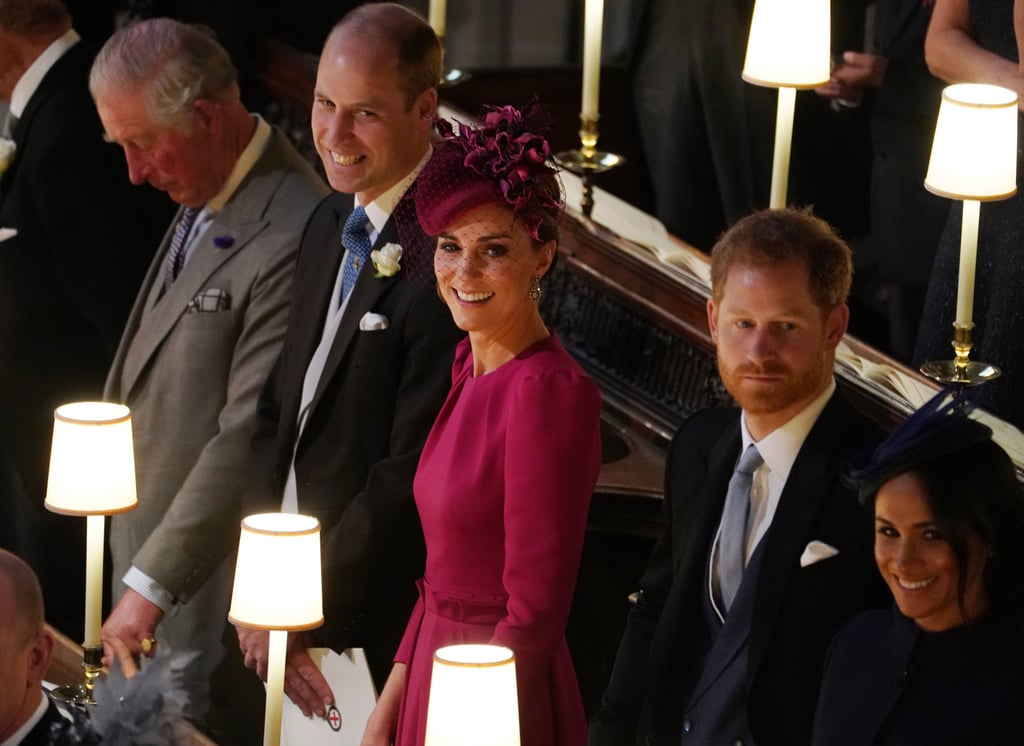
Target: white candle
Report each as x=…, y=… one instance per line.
x=593, y=18
x=968, y=259
x=93, y=579
x=276, y=654
x=783, y=143
x=436, y=17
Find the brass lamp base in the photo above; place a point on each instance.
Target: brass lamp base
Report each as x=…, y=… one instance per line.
x=961, y=370
x=81, y=694
x=588, y=160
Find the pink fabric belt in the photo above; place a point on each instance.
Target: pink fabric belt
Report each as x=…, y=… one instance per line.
x=467, y=609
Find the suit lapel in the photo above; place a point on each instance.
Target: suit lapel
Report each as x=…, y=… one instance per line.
x=810, y=482
x=365, y=294
x=242, y=220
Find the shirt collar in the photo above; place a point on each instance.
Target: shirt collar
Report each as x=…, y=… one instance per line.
x=19, y=735
x=33, y=76
x=252, y=153
x=380, y=209
x=782, y=445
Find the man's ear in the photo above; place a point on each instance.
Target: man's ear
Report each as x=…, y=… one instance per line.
x=836, y=322
x=40, y=655
x=713, y=320
x=208, y=115
x=425, y=107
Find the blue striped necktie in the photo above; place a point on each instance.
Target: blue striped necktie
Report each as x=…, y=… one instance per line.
x=176, y=254
x=356, y=241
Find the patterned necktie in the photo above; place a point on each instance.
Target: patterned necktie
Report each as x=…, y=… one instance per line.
x=356, y=241
x=176, y=254
x=732, y=538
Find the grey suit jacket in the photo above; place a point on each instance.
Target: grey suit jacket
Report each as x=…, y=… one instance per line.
x=191, y=377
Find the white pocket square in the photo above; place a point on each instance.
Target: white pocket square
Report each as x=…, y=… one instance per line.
x=372, y=322
x=817, y=551
x=6, y=233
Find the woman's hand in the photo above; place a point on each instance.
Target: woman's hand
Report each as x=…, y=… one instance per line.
x=381, y=725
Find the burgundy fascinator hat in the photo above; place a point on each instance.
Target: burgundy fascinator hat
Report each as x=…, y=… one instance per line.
x=505, y=160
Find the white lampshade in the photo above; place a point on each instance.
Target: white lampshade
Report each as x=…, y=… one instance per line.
x=277, y=574
x=473, y=699
x=974, y=152
x=92, y=461
x=789, y=44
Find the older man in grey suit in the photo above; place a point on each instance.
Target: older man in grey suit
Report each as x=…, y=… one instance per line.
x=205, y=329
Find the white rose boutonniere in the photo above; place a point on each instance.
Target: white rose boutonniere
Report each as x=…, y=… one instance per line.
x=7, y=150
x=387, y=261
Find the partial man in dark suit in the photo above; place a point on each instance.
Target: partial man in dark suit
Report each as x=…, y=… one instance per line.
x=743, y=593
x=902, y=98
x=75, y=240
x=205, y=330
x=361, y=376
x=26, y=647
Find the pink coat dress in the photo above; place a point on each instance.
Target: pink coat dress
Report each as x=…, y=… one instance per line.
x=503, y=489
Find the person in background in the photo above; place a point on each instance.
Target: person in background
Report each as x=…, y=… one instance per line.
x=902, y=98
x=364, y=366
x=943, y=666
x=977, y=42
x=75, y=240
x=505, y=480
x=26, y=647
x=765, y=552
x=205, y=330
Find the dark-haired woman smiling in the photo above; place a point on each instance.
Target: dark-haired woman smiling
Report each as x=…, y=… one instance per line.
x=946, y=666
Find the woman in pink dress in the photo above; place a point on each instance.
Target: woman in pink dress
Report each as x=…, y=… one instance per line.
x=505, y=479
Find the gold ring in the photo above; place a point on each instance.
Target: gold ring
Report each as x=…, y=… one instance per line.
x=147, y=644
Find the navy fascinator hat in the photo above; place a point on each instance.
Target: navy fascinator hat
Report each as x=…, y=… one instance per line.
x=941, y=428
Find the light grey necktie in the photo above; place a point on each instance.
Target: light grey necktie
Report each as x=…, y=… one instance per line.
x=10, y=122
x=732, y=538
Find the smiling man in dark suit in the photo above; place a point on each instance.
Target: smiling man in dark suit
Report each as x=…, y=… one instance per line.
x=727, y=647
x=75, y=240
x=205, y=330
x=366, y=364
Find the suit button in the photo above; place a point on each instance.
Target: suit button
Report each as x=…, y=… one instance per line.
x=687, y=726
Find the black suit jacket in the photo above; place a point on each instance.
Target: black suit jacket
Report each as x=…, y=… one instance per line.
x=796, y=610
x=376, y=401
x=887, y=682
x=67, y=281
x=40, y=734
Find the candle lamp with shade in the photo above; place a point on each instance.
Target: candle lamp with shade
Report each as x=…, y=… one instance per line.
x=473, y=699
x=974, y=159
x=277, y=587
x=789, y=49
x=587, y=160
x=92, y=473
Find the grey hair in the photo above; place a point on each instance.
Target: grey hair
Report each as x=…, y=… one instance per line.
x=34, y=18
x=26, y=595
x=175, y=63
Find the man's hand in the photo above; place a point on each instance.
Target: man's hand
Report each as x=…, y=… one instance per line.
x=303, y=682
x=857, y=72
x=130, y=630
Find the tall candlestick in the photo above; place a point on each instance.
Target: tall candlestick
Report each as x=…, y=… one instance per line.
x=436, y=16
x=783, y=145
x=93, y=579
x=276, y=654
x=593, y=19
x=968, y=260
